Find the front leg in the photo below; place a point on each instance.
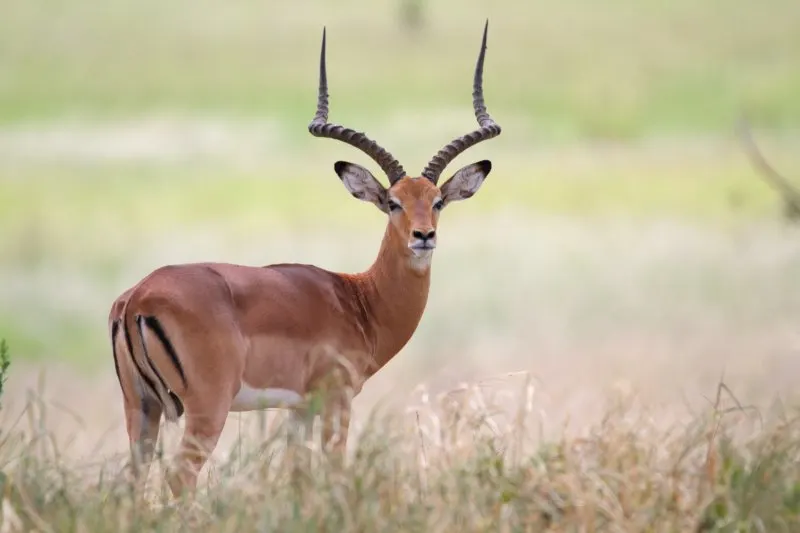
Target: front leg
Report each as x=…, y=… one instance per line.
x=336, y=425
x=333, y=396
x=300, y=425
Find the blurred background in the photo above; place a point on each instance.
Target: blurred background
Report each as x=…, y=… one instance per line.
x=623, y=239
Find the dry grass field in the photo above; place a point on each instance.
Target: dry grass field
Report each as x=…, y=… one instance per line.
x=612, y=340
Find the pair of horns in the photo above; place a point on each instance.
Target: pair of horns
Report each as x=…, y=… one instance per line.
x=488, y=128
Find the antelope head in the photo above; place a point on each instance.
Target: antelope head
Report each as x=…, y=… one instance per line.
x=413, y=204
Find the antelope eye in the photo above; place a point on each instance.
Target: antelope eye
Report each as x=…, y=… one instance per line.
x=438, y=205
x=393, y=206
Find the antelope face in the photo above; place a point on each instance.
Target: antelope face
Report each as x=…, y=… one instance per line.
x=413, y=204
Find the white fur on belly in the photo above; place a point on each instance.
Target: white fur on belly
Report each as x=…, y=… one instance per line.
x=251, y=399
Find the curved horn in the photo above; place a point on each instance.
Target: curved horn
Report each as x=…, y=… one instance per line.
x=488, y=127
x=320, y=127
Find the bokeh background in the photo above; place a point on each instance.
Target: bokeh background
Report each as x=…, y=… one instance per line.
x=622, y=242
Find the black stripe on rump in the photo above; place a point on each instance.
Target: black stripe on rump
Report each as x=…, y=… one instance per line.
x=155, y=326
x=142, y=321
x=150, y=364
x=178, y=404
x=114, y=331
x=148, y=382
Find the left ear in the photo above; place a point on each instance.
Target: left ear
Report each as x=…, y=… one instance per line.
x=465, y=182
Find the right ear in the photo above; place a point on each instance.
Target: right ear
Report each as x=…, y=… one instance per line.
x=361, y=184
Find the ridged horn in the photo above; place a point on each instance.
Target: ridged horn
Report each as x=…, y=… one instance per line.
x=488, y=127
x=320, y=127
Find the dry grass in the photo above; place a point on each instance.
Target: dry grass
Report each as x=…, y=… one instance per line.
x=462, y=460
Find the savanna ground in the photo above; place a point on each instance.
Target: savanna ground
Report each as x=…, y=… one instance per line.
x=620, y=262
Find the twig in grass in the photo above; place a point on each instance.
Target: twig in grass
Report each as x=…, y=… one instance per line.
x=424, y=469
x=711, y=456
x=790, y=196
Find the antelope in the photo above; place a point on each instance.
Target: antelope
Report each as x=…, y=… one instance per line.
x=207, y=339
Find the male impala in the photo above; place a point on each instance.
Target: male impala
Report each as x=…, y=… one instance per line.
x=210, y=338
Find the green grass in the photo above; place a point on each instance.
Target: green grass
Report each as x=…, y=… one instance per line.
x=75, y=234
x=567, y=70
x=69, y=197
x=5, y=363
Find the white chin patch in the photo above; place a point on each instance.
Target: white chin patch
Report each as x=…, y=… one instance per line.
x=252, y=399
x=421, y=259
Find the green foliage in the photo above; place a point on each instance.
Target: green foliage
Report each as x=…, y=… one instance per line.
x=567, y=69
x=5, y=363
x=756, y=488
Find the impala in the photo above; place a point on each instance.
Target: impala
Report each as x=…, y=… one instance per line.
x=206, y=339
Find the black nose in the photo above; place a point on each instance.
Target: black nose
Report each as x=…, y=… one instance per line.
x=425, y=236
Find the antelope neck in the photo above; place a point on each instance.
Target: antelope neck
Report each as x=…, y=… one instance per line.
x=395, y=293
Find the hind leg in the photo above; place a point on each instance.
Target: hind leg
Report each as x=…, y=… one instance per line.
x=200, y=437
x=210, y=357
x=143, y=424
x=142, y=412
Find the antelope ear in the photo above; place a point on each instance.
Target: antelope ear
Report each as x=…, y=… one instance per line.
x=362, y=184
x=465, y=182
